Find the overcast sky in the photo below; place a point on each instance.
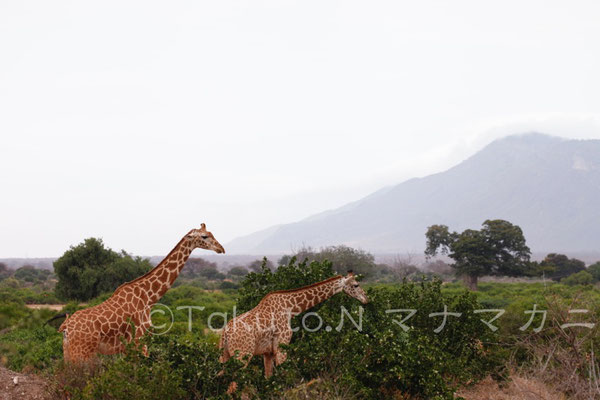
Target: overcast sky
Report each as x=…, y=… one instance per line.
x=136, y=121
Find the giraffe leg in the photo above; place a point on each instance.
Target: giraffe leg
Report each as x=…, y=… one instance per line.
x=280, y=357
x=225, y=356
x=139, y=333
x=240, y=355
x=268, y=360
x=280, y=354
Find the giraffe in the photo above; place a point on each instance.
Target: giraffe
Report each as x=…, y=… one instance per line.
x=261, y=330
x=99, y=329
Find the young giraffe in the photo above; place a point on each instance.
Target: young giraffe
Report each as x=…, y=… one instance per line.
x=261, y=330
x=99, y=329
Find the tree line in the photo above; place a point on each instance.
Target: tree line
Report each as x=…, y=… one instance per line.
x=499, y=248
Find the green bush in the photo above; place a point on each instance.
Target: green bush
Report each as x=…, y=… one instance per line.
x=11, y=312
x=594, y=269
x=37, y=347
x=135, y=377
x=27, y=295
x=580, y=278
x=88, y=269
x=382, y=360
x=177, y=368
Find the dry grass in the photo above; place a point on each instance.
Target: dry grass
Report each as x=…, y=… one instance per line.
x=322, y=388
x=72, y=378
x=519, y=388
x=564, y=357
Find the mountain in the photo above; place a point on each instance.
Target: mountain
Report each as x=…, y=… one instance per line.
x=548, y=186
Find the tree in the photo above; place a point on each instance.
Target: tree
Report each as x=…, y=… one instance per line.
x=343, y=258
x=438, y=267
x=499, y=248
x=579, y=278
x=402, y=267
x=238, y=271
x=257, y=265
x=212, y=273
x=559, y=266
x=89, y=269
x=30, y=274
x=594, y=269
x=195, y=265
x=4, y=271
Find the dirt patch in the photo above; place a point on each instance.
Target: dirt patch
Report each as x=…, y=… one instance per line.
x=14, y=385
x=53, y=307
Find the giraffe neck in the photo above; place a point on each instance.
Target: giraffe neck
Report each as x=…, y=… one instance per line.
x=306, y=298
x=157, y=281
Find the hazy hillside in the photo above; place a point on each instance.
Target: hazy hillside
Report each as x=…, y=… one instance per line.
x=547, y=185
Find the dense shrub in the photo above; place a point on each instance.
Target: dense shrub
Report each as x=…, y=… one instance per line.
x=594, y=269
x=27, y=295
x=579, y=278
x=177, y=368
x=342, y=259
x=11, y=312
x=31, y=347
x=382, y=360
x=88, y=269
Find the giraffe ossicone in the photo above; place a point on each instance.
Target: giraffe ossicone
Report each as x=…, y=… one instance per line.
x=261, y=330
x=100, y=329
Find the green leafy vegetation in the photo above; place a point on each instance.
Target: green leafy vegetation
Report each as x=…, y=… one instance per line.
x=387, y=357
x=89, y=269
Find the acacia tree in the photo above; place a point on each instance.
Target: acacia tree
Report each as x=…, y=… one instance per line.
x=498, y=248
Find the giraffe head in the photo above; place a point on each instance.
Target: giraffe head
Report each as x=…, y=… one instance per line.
x=353, y=289
x=203, y=239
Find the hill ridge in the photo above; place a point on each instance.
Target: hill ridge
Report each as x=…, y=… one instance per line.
x=548, y=185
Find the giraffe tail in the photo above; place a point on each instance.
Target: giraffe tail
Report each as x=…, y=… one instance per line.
x=65, y=315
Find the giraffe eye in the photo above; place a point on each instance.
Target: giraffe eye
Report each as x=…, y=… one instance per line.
x=355, y=285
x=204, y=236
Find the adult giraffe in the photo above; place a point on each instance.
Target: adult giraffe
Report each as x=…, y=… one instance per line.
x=99, y=329
x=261, y=330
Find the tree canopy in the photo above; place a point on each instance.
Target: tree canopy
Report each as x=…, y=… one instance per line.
x=579, y=278
x=197, y=266
x=559, y=266
x=594, y=269
x=89, y=269
x=29, y=273
x=498, y=248
x=238, y=271
x=343, y=258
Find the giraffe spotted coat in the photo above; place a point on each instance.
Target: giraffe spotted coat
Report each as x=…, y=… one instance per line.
x=100, y=329
x=261, y=330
